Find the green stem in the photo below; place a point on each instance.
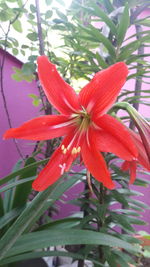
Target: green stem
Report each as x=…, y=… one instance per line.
x=100, y=223
x=85, y=212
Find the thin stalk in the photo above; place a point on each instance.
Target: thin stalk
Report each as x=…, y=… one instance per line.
x=100, y=222
x=39, y=27
x=2, y=64
x=138, y=83
x=84, y=209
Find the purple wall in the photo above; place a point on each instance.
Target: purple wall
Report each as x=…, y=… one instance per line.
x=20, y=110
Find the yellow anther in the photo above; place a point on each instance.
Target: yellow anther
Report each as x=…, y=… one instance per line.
x=62, y=147
x=78, y=149
x=74, y=151
x=64, y=151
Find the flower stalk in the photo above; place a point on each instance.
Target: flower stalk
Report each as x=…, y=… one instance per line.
x=141, y=124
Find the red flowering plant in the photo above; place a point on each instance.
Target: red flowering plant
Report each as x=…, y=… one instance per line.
x=83, y=122
x=91, y=134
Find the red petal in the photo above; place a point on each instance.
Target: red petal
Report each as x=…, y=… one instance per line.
x=42, y=128
x=95, y=163
x=99, y=95
x=125, y=166
x=131, y=166
x=59, y=93
x=58, y=164
x=114, y=137
x=142, y=157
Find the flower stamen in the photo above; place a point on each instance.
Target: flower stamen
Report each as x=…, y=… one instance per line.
x=76, y=150
x=63, y=167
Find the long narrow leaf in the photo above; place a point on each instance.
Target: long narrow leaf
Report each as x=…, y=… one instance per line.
x=9, y=195
x=29, y=242
x=21, y=171
x=23, y=190
x=40, y=254
x=14, y=184
x=123, y=25
x=9, y=216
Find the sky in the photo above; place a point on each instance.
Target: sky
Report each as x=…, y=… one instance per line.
x=21, y=37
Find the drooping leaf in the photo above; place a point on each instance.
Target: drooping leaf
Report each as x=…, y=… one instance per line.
x=21, y=171
x=23, y=190
x=63, y=237
x=40, y=254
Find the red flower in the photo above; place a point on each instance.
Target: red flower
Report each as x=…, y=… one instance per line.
x=83, y=122
x=142, y=158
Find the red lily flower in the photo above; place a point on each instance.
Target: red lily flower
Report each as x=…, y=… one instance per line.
x=83, y=122
x=142, y=158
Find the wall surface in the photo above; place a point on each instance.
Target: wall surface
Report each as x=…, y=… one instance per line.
x=20, y=109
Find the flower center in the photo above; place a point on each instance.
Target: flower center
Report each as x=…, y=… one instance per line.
x=83, y=120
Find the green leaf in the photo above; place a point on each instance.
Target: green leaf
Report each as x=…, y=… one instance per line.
x=28, y=68
x=22, y=171
x=32, y=212
x=19, y=76
x=28, y=242
x=23, y=190
x=61, y=15
x=101, y=61
x=8, y=196
x=128, y=212
x=100, y=13
x=99, y=37
x=122, y=220
x=123, y=25
x=14, y=184
x=36, y=100
x=17, y=26
x=120, y=197
x=33, y=8
x=48, y=14
x=48, y=2
x=138, y=203
x=61, y=224
x=9, y=216
x=40, y=254
x=108, y=5
x=133, y=220
x=61, y=2
x=1, y=207
x=32, y=36
x=129, y=192
x=15, y=51
x=144, y=22
x=123, y=259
